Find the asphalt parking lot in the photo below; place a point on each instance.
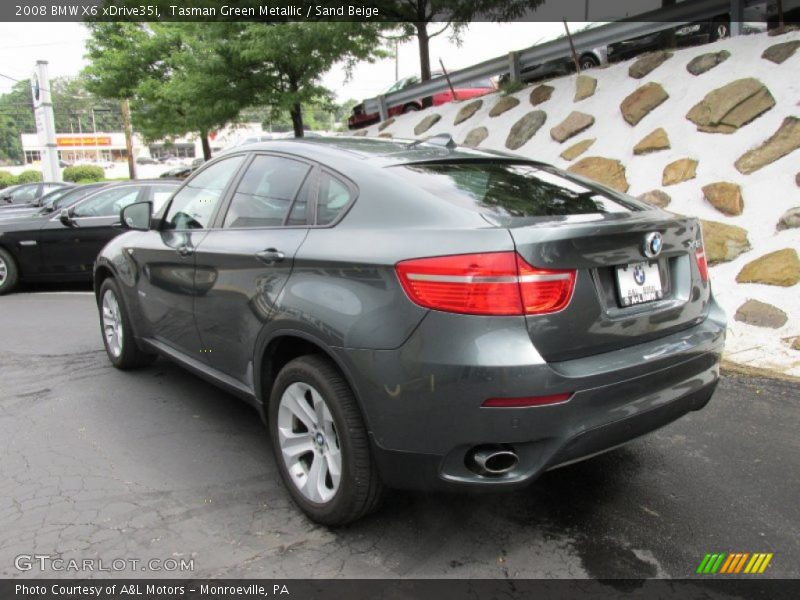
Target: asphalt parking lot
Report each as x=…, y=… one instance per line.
x=97, y=463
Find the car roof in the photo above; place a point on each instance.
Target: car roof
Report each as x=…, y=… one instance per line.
x=379, y=151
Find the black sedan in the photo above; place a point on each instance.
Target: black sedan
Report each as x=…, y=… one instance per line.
x=62, y=246
x=56, y=200
x=27, y=193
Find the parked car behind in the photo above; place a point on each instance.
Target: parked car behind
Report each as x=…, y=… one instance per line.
x=587, y=59
x=26, y=193
x=34, y=205
x=57, y=199
x=63, y=246
x=416, y=315
x=480, y=87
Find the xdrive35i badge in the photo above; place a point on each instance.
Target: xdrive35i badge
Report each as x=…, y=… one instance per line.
x=653, y=243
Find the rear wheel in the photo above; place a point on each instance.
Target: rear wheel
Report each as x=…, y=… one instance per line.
x=118, y=339
x=320, y=442
x=410, y=108
x=9, y=274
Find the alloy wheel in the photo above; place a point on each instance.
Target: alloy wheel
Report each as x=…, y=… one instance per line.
x=3, y=271
x=309, y=443
x=112, y=323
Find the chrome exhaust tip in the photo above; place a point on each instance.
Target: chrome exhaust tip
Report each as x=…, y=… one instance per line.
x=492, y=461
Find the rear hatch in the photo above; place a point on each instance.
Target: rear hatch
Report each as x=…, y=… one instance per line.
x=640, y=272
x=621, y=296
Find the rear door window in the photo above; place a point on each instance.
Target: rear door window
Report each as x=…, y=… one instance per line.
x=334, y=196
x=510, y=189
x=265, y=194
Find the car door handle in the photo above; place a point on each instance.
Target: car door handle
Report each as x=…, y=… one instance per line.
x=184, y=250
x=270, y=256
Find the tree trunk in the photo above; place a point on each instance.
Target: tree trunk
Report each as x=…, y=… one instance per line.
x=296, y=111
x=424, y=56
x=206, y=145
x=297, y=119
x=126, y=125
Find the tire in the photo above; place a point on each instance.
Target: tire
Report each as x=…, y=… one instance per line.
x=115, y=327
x=588, y=61
x=9, y=273
x=333, y=427
x=720, y=30
x=410, y=108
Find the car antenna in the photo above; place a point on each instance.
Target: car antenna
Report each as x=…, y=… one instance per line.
x=444, y=140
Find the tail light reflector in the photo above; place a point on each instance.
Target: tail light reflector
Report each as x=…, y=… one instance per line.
x=526, y=401
x=702, y=264
x=493, y=283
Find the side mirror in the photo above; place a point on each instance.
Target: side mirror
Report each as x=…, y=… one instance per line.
x=136, y=216
x=66, y=218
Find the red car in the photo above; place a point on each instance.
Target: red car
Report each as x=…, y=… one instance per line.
x=476, y=88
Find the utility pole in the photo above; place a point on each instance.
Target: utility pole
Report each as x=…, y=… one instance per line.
x=45, y=122
x=126, y=123
x=94, y=133
x=396, y=60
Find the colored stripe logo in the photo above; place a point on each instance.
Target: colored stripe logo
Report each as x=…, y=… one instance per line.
x=733, y=563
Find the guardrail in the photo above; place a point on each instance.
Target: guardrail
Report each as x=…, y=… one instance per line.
x=515, y=62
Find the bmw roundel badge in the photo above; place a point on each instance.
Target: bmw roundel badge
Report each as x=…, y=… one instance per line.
x=653, y=243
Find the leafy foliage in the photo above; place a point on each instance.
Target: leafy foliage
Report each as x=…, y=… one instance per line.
x=188, y=77
x=7, y=179
x=84, y=173
x=29, y=176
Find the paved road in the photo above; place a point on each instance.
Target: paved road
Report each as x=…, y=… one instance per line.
x=96, y=463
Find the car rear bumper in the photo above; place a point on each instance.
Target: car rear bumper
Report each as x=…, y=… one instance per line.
x=425, y=416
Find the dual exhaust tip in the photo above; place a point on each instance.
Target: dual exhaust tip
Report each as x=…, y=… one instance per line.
x=492, y=461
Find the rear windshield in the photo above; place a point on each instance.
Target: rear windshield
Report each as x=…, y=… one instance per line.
x=507, y=189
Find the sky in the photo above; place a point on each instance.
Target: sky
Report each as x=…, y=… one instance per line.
x=62, y=45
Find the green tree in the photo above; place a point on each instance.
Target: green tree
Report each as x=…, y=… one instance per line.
x=158, y=68
x=417, y=16
x=294, y=56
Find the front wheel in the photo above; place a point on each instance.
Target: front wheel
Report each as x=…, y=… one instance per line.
x=588, y=62
x=118, y=339
x=320, y=442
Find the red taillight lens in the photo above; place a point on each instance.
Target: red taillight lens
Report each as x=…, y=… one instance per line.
x=526, y=401
x=544, y=290
x=494, y=283
x=702, y=264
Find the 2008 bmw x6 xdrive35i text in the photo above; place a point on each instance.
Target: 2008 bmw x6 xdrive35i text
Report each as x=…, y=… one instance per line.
x=416, y=315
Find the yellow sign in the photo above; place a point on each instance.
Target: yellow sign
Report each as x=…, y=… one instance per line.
x=83, y=140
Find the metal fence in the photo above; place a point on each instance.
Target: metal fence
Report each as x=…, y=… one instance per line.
x=515, y=62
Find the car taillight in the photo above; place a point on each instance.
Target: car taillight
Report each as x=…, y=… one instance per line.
x=702, y=264
x=493, y=283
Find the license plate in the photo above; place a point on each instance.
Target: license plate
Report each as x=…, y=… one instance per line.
x=639, y=282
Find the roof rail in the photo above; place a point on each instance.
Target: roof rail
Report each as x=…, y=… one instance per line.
x=443, y=140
